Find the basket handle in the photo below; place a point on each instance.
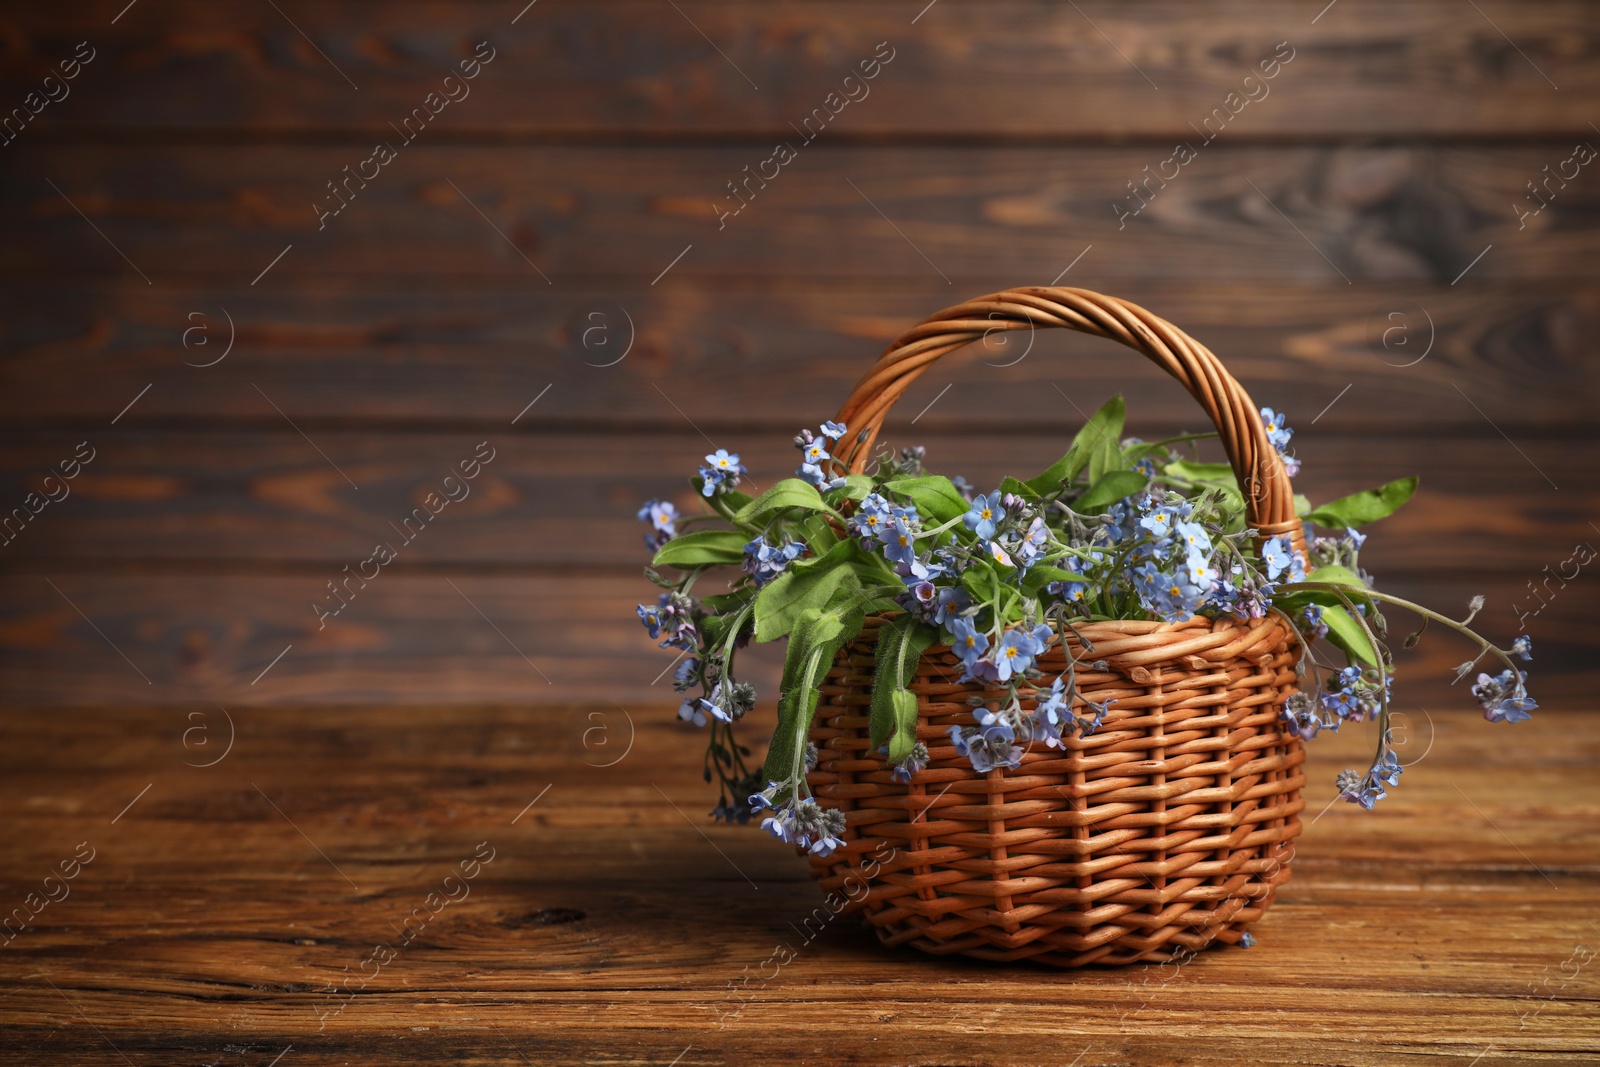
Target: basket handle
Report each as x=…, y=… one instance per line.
x=1269, y=499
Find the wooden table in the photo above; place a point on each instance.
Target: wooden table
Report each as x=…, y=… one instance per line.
x=214, y=910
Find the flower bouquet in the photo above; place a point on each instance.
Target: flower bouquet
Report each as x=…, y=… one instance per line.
x=1063, y=716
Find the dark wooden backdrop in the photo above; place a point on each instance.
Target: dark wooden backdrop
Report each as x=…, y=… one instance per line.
x=1359, y=245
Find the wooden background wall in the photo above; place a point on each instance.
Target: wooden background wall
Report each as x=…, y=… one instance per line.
x=1359, y=246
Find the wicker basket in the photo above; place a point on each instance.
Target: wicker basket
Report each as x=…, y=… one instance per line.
x=1168, y=829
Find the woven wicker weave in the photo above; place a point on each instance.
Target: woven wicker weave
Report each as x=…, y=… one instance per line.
x=1168, y=829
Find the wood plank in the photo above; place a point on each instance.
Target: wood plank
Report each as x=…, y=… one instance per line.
x=200, y=639
x=1412, y=215
x=549, y=499
x=431, y=350
x=967, y=70
x=208, y=928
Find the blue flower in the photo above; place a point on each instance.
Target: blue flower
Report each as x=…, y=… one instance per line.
x=804, y=823
x=1387, y=769
x=651, y=617
x=662, y=517
x=1171, y=597
x=672, y=620
x=1301, y=716
x=899, y=541
x=693, y=710
x=914, y=763
x=968, y=642
x=1503, y=698
x=1072, y=592
x=997, y=553
x=721, y=471
x=835, y=430
x=988, y=748
x=1247, y=940
x=1199, y=573
x=872, y=519
x=1053, y=705
x=1194, y=539
x=920, y=569
x=1311, y=623
x=1100, y=712
x=1031, y=545
x=1359, y=789
x=1159, y=519
x=683, y=677
x=1052, y=714
x=1018, y=648
x=1277, y=555
x=985, y=513
x=1523, y=646
x=764, y=562
x=1513, y=709
x=950, y=603
x=1342, y=702
x=1277, y=432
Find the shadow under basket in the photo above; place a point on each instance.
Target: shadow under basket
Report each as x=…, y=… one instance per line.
x=1165, y=831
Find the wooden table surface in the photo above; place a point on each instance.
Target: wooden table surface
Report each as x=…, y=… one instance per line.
x=274, y=907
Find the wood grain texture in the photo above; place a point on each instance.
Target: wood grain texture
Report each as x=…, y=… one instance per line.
x=208, y=928
x=1412, y=215
x=435, y=351
x=965, y=70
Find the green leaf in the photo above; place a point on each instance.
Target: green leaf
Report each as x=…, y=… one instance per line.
x=1096, y=444
x=1202, y=473
x=1057, y=474
x=1345, y=632
x=726, y=603
x=817, y=534
x=900, y=644
x=981, y=582
x=1040, y=576
x=1369, y=505
x=1009, y=484
x=1302, y=505
x=936, y=497
x=726, y=504
x=789, y=493
x=809, y=584
x=855, y=487
x=1338, y=575
x=818, y=635
x=796, y=703
x=903, y=704
x=702, y=548
x=1292, y=597
x=1110, y=488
